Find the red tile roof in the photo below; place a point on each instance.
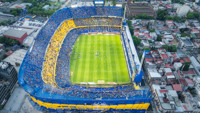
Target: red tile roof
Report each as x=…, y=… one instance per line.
x=183, y=82
x=174, y=54
x=147, y=59
x=169, y=21
x=163, y=90
x=9, y=53
x=170, y=42
x=179, y=74
x=186, y=59
x=181, y=61
x=168, y=66
x=147, y=35
x=165, y=100
x=195, y=30
x=189, y=72
x=169, y=74
x=177, y=87
x=185, y=107
x=176, y=30
x=189, y=81
x=164, y=56
x=168, y=6
x=171, y=81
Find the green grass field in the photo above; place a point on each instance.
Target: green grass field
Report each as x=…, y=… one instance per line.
x=98, y=57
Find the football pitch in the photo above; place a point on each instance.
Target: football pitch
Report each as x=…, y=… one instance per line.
x=96, y=58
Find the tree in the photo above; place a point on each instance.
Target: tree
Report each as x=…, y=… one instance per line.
x=165, y=47
x=15, y=12
x=159, y=38
x=168, y=18
x=184, y=34
x=175, y=18
x=172, y=48
x=190, y=15
x=182, y=30
x=152, y=30
x=114, y=2
x=181, y=97
x=181, y=2
x=175, y=1
x=161, y=14
x=185, y=66
x=136, y=40
x=8, y=41
x=146, y=49
x=143, y=16
x=192, y=91
x=130, y=26
x=140, y=57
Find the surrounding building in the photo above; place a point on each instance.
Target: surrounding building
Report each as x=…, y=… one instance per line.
x=18, y=35
x=135, y=8
x=8, y=78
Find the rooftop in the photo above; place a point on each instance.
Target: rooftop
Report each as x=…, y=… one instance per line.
x=189, y=72
x=14, y=33
x=154, y=75
x=16, y=57
x=186, y=59
x=177, y=87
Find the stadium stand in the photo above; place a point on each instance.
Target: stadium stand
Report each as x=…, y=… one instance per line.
x=98, y=21
x=45, y=71
x=53, y=52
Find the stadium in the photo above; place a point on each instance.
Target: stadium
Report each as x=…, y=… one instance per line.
x=84, y=59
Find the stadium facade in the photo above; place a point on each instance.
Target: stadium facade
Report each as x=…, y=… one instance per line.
x=45, y=72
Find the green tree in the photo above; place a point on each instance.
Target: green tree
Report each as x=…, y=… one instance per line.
x=168, y=18
x=181, y=2
x=136, y=40
x=192, y=91
x=175, y=1
x=159, y=38
x=114, y=2
x=130, y=26
x=165, y=47
x=15, y=12
x=146, y=48
x=152, y=30
x=143, y=16
x=172, y=48
x=190, y=15
x=181, y=97
x=184, y=34
x=176, y=18
x=182, y=30
x=161, y=14
x=185, y=66
x=140, y=57
x=8, y=41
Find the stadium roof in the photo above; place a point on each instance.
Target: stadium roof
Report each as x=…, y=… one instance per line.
x=14, y=33
x=154, y=75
